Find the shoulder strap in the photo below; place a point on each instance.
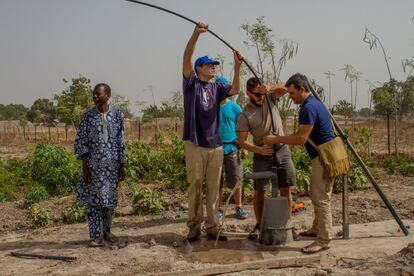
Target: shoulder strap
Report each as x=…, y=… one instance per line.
x=313, y=144
x=270, y=113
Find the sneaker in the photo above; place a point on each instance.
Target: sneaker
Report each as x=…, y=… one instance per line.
x=254, y=235
x=110, y=238
x=240, y=213
x=220, y=213
x=96, y=243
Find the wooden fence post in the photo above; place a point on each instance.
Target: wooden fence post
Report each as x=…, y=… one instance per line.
x=345, y=198
x=139, y=131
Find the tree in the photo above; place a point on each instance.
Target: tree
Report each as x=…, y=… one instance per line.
x=383, y=100
x=242, y=99
x=328, y=75
x=364, y=112
x=123, y=104
x=353, y=76
x=373, y=41
x=42, y=111
x=260, y=37
x=344, y=108
x=72, y=102
x=13, y=112
x=406, y=105
x=173, y=107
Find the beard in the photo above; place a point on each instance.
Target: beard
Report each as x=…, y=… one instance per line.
x=256, y=103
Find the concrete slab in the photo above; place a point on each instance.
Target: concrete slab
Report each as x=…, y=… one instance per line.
x=367, y=241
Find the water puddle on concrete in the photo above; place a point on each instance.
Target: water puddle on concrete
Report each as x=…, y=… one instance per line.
x=236, y=250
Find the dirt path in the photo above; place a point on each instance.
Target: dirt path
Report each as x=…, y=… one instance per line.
x=153, y=244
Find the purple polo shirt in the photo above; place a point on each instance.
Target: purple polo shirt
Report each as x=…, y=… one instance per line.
x=202, y=111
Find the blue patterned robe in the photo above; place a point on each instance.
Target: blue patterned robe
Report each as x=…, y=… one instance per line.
x=103, y=158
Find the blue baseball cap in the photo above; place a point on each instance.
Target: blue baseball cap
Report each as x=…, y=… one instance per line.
x=222, y=80
x=204, y=60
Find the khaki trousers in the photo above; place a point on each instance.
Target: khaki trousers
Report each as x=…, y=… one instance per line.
x=320, y=194
x=203, y=164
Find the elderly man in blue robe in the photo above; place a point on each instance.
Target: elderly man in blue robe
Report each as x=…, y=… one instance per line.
x=100, y=144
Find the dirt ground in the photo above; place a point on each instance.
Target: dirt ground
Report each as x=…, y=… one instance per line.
x=155, y=244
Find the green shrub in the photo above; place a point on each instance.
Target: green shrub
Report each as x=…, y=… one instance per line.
x=55, y=169
x=174, y=164
x=399, y=164
x=247, y=164
x=302, y=164
x=148, y=201
x=14, y=173
x=166, y=163
x=361, y=141
x=39, y=216
x=74, y=213
x=20, y=167
x=357, y=179
x=8, y=185
x=140, y=164
x=37, y=193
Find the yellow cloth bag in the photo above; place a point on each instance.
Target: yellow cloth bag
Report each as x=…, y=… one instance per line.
x=334, y=157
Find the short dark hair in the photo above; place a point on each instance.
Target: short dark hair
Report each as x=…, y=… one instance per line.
x=298, y=80
x=107, y=88
x=252, y=83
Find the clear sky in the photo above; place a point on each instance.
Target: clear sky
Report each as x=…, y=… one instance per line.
x=131, y=46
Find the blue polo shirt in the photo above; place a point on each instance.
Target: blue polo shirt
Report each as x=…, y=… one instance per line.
x=202, y=111
x=312, y=112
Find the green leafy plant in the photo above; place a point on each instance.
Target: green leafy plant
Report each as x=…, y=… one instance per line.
x=55, y=169
x=39, y=216
x=146, y=200
x=74, y=213
x=361, y=141
x=247, y=164
x=302, y=165
x=399, y=164
x=14, y=174
x=8, y=185
x=37, y=193
x=357, y=179
x=166, y=163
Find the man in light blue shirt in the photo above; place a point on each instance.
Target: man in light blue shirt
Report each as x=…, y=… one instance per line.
x=233, y=170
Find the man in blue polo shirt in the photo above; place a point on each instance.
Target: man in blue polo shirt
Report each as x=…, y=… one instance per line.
x=315, y=125
x=203, y=148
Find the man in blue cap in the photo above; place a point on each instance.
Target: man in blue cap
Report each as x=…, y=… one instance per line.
x=203, y=147
x=233, y=169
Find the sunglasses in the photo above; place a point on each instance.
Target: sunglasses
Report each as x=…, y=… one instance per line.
x=256, y=94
